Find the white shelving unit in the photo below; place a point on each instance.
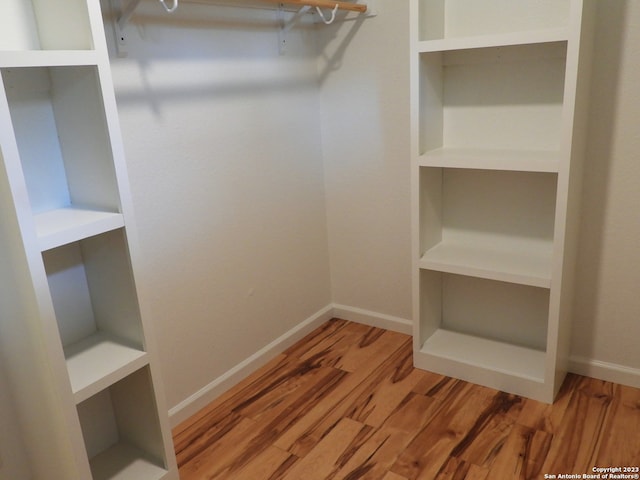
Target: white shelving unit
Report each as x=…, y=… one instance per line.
x=78, y=349
x=498, y=91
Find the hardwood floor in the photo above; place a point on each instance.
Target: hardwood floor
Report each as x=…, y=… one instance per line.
x=345, y=403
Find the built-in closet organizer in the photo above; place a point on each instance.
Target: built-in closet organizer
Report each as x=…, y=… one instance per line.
x=74, y=334
x=498, y=96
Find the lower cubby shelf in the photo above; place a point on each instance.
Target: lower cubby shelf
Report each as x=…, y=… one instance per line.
x=484, y=331
x=491, y=355
x=495, y=364
x=122, y=432
x=507, y=312
x=125, y=462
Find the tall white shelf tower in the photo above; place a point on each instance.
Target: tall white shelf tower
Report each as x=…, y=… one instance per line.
x=499, y=90
x=75, y=341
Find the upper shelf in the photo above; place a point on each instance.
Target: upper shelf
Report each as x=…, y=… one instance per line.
x=64, y=151
x=42, y=25
x=492, y=159
x=66, y=225
x=494, y=40
x=525, y=267
x=47, y=58
x=459, y=19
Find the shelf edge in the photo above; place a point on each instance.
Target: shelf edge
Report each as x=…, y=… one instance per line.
x=136, y=359
x=47, y=58
x=497, y=274
x=497, y=40
x=491, y=159
x=73, y=232
x=431, y=348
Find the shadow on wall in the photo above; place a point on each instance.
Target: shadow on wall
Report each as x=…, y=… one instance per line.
x=218, y=51
x=331, y=61
x=608, y=46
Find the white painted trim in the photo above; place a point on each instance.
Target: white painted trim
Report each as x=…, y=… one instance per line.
x=194, y=403
x=610, y=372
x=374, y=319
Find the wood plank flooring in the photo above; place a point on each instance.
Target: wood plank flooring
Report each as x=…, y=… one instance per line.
x=345, y=403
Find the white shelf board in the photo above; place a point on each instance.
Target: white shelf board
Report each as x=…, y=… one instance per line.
x=125, y=462
x=492, y=159
x=99, y=361
x=66, y=225
x=47, y=58
x=492, y=355
x=495, y=40
x=531, y=267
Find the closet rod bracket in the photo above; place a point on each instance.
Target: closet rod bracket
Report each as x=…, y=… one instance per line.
x=126, y=13
x=122, y=13
x=287, y=25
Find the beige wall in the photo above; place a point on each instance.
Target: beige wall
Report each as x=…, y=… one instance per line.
x=13, y=460
x=364, y=73
x=607, y=307
x=267, y=187
x=222, y=137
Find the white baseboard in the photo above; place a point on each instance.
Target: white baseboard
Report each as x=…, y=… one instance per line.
x=373, y=319
x=194, y=403
x=190, y=406
x=610, y=372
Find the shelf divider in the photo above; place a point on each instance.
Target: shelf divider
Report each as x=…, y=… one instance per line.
x=99, y=361
x=492, y=159
x=525, y=267
x=495, y=40
x=47, y=58
x=66, y=225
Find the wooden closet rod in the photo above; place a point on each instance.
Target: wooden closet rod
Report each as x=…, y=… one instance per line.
x=130, y=7
x=350, y=7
